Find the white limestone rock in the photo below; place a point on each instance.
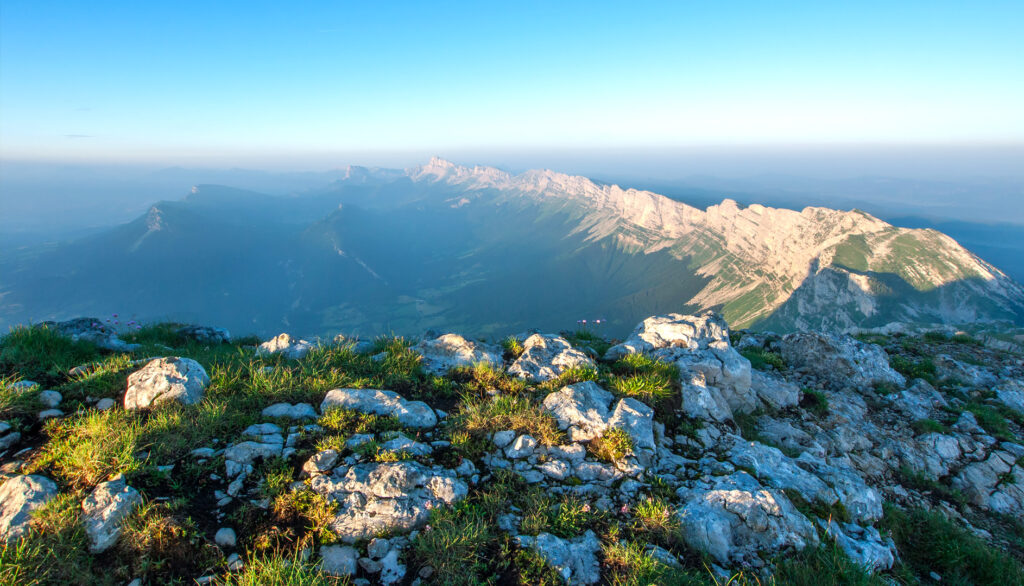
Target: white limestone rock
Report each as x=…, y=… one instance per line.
x=581, y=409
x=289, y=411
x=546, y=357
x=734, y=519
x=448, y=351
x=166, y=379
x=291, y=348
x=416, y=414
x=575, y=559
x=105, y=510
x=19, y=497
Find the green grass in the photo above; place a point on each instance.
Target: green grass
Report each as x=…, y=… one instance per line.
x=764, y=359
x=928, y=542
x=87, y=448
x=480, y=417
x=992, y=421
x=614, y=444
x=922, y=367
x=923, y=426
x=158, y=544
x=42, y=355
x=814, y=401
x=17, y=404
x=281, y=569
x=647, y=387
x=825, y=564
x=513, y=348
x=921, y=482
x=585, y=339
x=484, y=379
x=570, y=376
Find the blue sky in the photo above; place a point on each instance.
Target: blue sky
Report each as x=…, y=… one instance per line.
x=164, y=81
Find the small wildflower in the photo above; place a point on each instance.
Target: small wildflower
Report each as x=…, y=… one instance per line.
x=586, y=508
x=427, y=528
x=113, y=315
x=429, y=505
x=625, y=509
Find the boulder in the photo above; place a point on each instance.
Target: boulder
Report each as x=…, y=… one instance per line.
x=416, y=414
x=840, y=359
x=166, y=379
x=734, y=519
x=19, y=497
x=291, y=348
x=105, y=510
x=546, y=357
x=446, y=352
x=387, y=496
x=637, y=420
x=575, y=559
x=205, y=334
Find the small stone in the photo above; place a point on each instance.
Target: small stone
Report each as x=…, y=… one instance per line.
x=503, y=438
x=50, y=398
x=339, y=560
x=105, y=404
x=377, y=548
x=522, y=447
x=235, y=562
x=225, y=537
x=370, y=566
x=50, y=413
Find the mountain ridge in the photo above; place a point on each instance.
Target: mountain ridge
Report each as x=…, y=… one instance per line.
x=479, y=249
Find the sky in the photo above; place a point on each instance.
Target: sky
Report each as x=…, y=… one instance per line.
x=249, y=82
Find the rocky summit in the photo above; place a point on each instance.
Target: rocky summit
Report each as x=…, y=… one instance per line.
x=685, y=453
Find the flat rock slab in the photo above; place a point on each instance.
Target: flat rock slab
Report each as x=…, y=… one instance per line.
x=416, y=414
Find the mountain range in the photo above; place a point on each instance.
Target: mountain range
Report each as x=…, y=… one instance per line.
x=483, y=251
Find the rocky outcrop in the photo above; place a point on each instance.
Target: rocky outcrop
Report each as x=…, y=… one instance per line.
x=446, y=352
x=546, y=357
x=840, y=359
x=166, y=379
x=388, y=496
x=416, y=414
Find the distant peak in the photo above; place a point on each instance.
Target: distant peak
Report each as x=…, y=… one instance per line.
x=439, y=163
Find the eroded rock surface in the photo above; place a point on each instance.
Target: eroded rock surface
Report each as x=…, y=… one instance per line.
x=379, y=402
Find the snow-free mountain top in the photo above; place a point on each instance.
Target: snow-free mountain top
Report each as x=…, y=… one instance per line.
x=489, y=252
x=756, y=257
